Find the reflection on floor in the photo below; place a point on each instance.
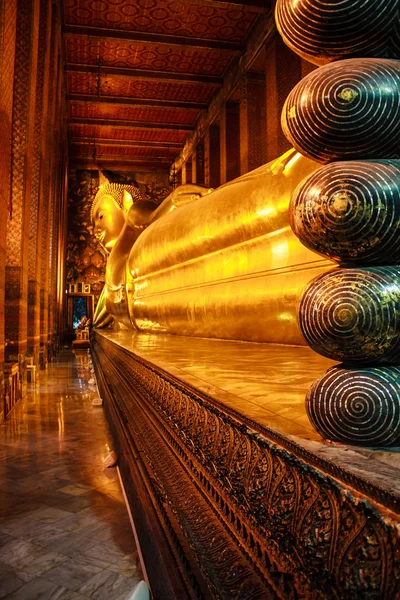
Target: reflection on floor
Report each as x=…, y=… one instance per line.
x=64, y=529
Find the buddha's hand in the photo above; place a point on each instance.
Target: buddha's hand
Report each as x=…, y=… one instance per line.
x=114, y=295
x=102, y=318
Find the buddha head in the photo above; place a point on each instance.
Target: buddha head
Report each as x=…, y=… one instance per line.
x=109, y=209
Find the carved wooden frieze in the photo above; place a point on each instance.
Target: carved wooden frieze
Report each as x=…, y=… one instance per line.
x=250, y=514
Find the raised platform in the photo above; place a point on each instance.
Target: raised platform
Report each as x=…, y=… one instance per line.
x=233, y=478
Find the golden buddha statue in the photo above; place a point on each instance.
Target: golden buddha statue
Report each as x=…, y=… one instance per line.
x=119, y=215
x=221, y=263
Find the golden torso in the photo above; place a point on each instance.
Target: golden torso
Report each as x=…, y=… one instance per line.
x=225, y=265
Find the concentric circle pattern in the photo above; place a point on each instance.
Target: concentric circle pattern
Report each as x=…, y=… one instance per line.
x=353, y=315
x=357, y=406
x=349, y=109
x=350, y=212
x=324, y=30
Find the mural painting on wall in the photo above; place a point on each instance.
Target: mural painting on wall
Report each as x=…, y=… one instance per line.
x=86, y=259
x=153, y=188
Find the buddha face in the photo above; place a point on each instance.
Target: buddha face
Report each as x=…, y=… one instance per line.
x=108, y=221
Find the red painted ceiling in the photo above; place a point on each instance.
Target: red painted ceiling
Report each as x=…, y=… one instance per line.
x=206, y=20
x=140, y=72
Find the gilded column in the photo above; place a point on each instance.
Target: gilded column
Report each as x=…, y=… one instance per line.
x=193, y=160
x=212, y=157
x=229, y=141
x=48, y=195
x=187, y=172
x=283, y=71
x=55, y=217
x=253, y=123
x=8, y=25
x=198, y=164
x=38, y=166
x=16, y=288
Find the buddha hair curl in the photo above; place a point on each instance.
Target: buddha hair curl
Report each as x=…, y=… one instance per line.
x=116, y=191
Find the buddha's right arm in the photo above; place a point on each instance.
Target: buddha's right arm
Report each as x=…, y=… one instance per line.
x=102, y=317
x=180, y=196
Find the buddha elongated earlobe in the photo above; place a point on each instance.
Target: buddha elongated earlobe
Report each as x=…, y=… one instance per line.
x=127, y=201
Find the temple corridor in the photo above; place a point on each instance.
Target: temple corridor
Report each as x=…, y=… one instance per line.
x=64, y=528
x=200, y=216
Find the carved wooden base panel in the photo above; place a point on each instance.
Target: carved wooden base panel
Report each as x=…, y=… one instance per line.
x=224, y=512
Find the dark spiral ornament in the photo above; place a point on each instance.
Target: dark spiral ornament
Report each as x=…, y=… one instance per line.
x=350, y=212
x=353, y=315
x=346, y=110
x=357, y=406
x=324, y=30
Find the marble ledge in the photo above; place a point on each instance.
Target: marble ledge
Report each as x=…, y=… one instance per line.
x=266, y=383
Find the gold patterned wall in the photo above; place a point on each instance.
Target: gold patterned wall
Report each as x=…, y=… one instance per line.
x=86, y=259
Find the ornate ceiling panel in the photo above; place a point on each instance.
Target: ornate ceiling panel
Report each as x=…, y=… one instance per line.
x=166, y=17
x=142, y=72
x=147, y=56
x=121, y=112
x=128, y=87
x=123, y=151
x=124, y=134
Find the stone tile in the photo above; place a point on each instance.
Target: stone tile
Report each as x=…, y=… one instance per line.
x=75, y=490
x=128, y=566
x=107, y=584
x=9, y=580
x=33, y=531
x=37, y=563
x=105, y=551
x=65, y=502
x=56, y=497
x=73, y=573
x=60, y=472
x=78, y=522
x=49, y=515
x=5, y=538
x=16, y=550
x=71, y=544
x=41, y=589
x=112, y=489
x=119, y=535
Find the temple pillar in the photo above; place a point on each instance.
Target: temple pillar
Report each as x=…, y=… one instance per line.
x=253, y=122
x=283, y=71
x=212, y=157
x=187, y=172
x=198, y=164
x=8, y=23
x=58, y=232
x=16, y=277
x=230, y=141
x=61, y=251
x=48, y=198
x=37, y=199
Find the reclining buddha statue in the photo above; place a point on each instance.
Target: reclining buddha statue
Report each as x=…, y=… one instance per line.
x=220, y=263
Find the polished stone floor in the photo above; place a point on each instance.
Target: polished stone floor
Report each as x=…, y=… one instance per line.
x=64, y=528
